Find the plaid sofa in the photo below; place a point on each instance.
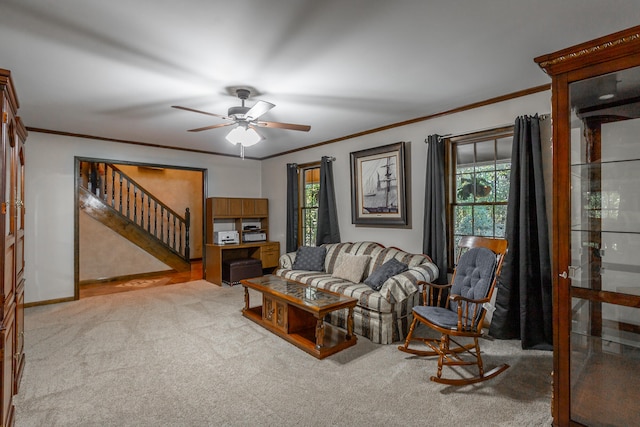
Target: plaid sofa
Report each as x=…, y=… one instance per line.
x=382, y=316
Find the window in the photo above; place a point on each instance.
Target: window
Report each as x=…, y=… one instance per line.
x=480, y=169
x=308, y=210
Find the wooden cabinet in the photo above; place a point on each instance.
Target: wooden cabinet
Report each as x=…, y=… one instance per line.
x=274, y=313
x=18, y=215
x=225, y=207
x=246, y=216
x=232, y=207
x=7, y=340
x=255, y=207
x=19, y=358
x=596, y=230
x=12, y=157
x=270, y=254
x=231, y=213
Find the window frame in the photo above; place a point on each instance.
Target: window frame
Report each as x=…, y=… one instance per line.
x=451, y=143
x=302, y=168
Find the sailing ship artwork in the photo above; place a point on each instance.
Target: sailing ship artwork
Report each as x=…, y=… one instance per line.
x=378, y=186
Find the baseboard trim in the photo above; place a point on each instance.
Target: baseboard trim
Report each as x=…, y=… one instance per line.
x=48, y=302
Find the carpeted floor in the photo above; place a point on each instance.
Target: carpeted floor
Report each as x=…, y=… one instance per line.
x=182, y=355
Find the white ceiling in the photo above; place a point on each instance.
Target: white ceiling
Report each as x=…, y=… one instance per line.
x=113, y=69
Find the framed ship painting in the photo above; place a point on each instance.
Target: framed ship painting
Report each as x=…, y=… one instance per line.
x=378, y=192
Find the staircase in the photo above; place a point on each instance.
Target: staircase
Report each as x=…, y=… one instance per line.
x=116, y=200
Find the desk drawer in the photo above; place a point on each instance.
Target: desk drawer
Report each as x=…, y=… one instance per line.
x=270, y=254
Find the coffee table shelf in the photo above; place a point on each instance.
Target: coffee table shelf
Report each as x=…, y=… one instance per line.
x=295, y=312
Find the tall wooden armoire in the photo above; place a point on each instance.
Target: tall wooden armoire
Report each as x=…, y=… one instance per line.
x=12, y=157
x=596, y=230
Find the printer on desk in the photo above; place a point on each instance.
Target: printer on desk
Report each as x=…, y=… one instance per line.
x=254, y=237
x=226, y=237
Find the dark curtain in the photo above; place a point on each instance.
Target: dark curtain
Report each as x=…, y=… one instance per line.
x=523, y=301
x=328, y=230
x=292, y=207
x=434, y=240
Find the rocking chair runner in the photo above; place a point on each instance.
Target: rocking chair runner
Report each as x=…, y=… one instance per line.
x=472, y=285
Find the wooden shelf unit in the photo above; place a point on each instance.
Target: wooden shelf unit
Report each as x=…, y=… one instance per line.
x=239, y=211
x=232, y=213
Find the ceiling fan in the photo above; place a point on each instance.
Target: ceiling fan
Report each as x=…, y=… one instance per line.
x=246, y=121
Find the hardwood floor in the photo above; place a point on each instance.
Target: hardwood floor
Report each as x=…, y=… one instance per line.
x=160, y=279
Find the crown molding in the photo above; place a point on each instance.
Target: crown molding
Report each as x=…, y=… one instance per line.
x=592, y=52
x=474, y=105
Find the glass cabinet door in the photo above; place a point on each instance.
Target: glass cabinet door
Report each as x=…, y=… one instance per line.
x=604, y=269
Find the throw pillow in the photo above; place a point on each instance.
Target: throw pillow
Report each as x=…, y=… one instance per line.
x=382, y=273
x=310, y=258
x=351, y=267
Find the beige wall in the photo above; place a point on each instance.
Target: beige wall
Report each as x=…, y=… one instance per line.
x=49, y=198
x=105, y=254
x=410, y=238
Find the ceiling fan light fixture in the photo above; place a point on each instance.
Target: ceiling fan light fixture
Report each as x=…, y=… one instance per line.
x=244, y=135
x=607, y=87
x=245, y=119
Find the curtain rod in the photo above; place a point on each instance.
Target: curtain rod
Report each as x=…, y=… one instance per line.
x=455, y=135
x=306, y=165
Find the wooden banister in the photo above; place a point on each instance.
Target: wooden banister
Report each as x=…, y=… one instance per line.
x=141, y=207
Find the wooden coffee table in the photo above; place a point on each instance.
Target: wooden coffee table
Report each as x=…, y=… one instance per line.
x=295, y=312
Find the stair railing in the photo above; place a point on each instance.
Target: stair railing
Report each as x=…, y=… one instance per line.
x=132, y=200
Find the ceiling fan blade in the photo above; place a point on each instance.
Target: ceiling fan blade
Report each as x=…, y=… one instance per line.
x=212, y=127
x=259, y=109
x=200, y=112
x=290, y=126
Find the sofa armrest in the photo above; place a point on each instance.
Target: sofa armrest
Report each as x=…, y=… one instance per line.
x=399, y=287
x=286, y=261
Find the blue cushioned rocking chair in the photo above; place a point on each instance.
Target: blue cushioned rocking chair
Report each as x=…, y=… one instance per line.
x=473, y=282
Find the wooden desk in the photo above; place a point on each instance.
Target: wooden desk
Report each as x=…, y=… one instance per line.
x=267, y=252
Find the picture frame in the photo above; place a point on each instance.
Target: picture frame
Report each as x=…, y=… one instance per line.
x=378, y=186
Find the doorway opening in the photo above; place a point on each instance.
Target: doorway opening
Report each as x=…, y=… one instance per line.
x=133, y=224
